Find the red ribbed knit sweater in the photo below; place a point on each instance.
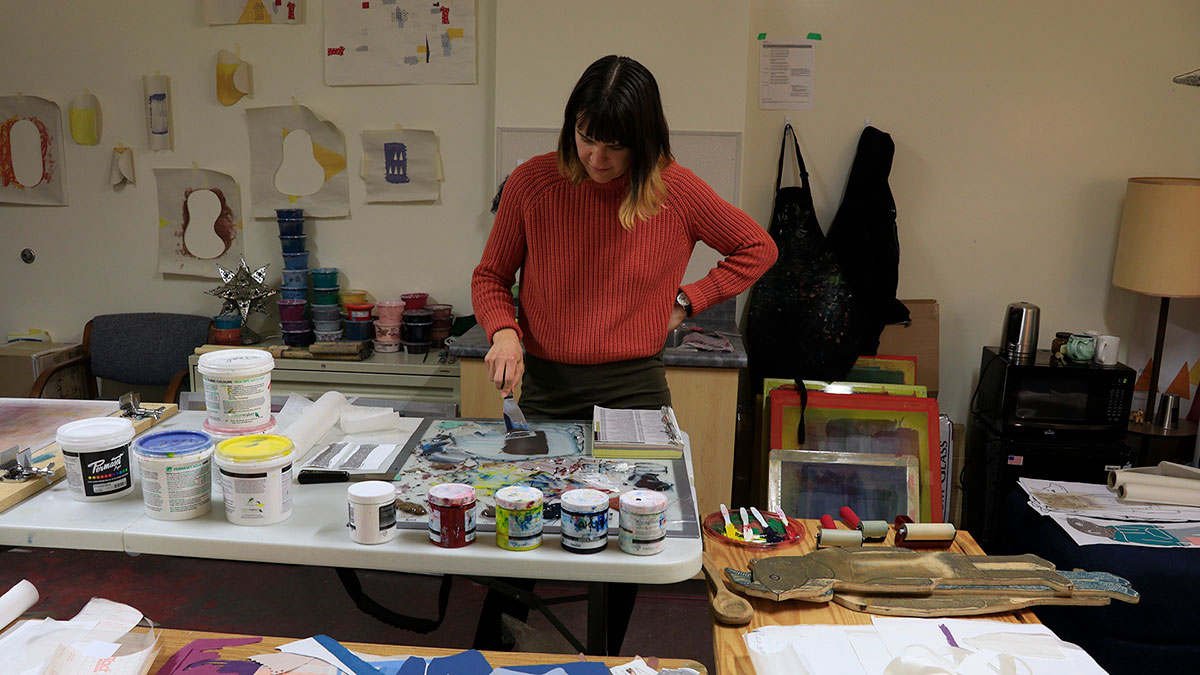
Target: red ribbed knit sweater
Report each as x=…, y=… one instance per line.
x=592, y=292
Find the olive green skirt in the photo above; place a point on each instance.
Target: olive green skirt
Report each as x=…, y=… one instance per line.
x=564, y=391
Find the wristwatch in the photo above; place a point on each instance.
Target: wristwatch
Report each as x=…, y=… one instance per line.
x=682, y=301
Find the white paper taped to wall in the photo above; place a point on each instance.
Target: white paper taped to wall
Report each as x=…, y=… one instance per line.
x=157, y=99
x=17, y=601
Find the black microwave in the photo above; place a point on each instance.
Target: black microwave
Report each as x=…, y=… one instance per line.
x=1044, y=398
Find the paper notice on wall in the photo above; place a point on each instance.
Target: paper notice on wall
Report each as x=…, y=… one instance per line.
x=199, y=222
x=401, y=166
x=33, y=166
x=322, y=153
x=157, y=101
x=218, y=12
x=785, y=74
x=399, y=42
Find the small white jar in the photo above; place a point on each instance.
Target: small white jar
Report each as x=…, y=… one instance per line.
x=643, y=522
x=372, y=507
x=96, y=456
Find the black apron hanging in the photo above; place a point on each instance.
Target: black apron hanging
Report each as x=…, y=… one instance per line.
x=799, y=324
x=863, y=239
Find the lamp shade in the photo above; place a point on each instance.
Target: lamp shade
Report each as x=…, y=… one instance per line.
x=1158, y=249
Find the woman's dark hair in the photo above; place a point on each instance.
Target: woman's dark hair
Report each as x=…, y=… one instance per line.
x=616, y=100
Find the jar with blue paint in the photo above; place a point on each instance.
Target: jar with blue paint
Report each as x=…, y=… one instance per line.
x=584, y=520
x=519, y=518
x=176, y=473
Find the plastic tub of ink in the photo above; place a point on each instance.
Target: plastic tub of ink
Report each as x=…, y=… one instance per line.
x=325, y=296
x=255, y=474
x=293, y=244
x=295, y=261
x=439, y=311
x=387, y=331
x=325, y=277
x=414, y=300
x=452, y=515
x=299, y=338
x=327, y=326
x=299, y=293
x=176, y=468
x=327, y=335
x=227, y=321
x=295, y=277
x=358, y=330
x=519, y=517
x=292, y=310
x=291, y=227
x=296, y=326
x=415, y=347
x=326, y=312
x=387, y=346
x=96, y=456
x=584, y=520
x=227, y=336
x=359, y=311
x=289, y=214
x=237, y=388
x=643, y=522
x=353, y=296
x=390, y=311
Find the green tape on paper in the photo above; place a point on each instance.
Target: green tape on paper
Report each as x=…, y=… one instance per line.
x=762, y=36
x=813, y=36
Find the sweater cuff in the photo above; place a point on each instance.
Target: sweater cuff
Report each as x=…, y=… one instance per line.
x=492, y=329
x=701, y=295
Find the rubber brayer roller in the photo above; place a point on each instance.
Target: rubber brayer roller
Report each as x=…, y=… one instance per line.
x=872, y=530
x=829, y=535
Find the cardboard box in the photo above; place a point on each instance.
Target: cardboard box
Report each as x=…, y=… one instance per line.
x=920, y=338
x=22, y=362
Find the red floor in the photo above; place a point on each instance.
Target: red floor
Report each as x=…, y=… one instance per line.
x=298, y=601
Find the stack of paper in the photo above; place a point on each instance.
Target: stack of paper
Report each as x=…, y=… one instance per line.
x=1093, y=514
x=636, y=434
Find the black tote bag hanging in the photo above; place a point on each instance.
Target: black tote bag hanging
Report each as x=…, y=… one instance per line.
x=800, y=323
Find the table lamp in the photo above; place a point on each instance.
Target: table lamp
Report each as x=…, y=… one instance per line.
x=1158, y=251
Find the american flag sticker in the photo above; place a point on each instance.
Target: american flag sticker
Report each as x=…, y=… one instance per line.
x=1016, y=460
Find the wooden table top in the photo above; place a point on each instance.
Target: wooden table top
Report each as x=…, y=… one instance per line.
x=730, y=650
x=171, y=641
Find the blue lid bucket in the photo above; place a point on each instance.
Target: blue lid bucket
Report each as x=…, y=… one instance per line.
x=172, y=443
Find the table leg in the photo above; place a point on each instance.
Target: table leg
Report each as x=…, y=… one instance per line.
x=597, y=618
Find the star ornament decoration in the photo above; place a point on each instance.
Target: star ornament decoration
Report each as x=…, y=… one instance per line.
x=243, y=290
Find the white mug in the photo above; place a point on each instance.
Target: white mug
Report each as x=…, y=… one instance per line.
x=1106, y=350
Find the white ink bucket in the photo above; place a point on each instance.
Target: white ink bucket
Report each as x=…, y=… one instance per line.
x=237, y=390
x=96, y=454
x=256, y=477
x=176, y=473
x=372, y=506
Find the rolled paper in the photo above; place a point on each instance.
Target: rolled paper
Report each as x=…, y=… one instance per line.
x=16, y=601
x=929, y=532
x=315, y=422
x=827, y=537
x=1157, y=494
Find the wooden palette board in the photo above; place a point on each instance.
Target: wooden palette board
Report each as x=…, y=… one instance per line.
x=12, y=494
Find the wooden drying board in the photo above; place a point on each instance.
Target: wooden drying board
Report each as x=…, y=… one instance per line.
x=12, y=494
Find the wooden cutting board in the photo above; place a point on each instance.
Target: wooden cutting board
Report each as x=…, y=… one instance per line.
x=12, y=494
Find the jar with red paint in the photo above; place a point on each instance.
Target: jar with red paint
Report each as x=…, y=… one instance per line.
x=452, y=515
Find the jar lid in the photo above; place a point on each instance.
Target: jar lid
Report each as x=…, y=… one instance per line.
x=95, y=433
x=371, y=492
x=643, y=502
x=172, y=443
x=518, y=497
x=418, y=313
x=254, y=448
x=235, y=361
x=451, y=494
x=360, y=305
x=390, y=303
x=584, y=500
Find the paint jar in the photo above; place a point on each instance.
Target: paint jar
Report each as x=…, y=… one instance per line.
x=293, y=244
x=643, y=522
x=372, y=512
x=584, y=521
x=325, y=277
x=291, y=227
x=353, y=295
x=295, y=261
x=176, y=470
x=300, y=293
x=416, y=332
x=326, y=296
x=327, y=326
x=414, y=300
x=327, y=335
x=296, y=326
x=292, y=310
x=294, y=278
x=358, y=330
x=437, y=338
x=255, y=474
x=359, y=311
x=438, y=311
x=518, y=517
x=326, y=312
x=415, y=347
x=227, y=321
x=96, y=455
x=386, y=346
x=390, y=311
x=227, y=336
x=387, y=331
x=289, y=214
x=237, y=388
x=452, y=515
x=297, y=338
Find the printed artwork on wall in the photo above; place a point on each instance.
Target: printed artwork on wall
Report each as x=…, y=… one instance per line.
x=156, y=92
x=401, y=165
x=32, y=163
x=269, y=128
x=199, y=221
x=399, y=42
x=218, y=12
x=86, y=123
x=120, y=170
x=233, y=78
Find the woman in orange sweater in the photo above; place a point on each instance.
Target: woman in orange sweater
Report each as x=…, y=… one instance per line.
x=602, y=232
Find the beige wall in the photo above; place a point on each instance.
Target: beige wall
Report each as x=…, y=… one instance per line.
x=1016, y=126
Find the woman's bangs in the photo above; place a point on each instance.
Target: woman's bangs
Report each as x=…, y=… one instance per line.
x=605, y=124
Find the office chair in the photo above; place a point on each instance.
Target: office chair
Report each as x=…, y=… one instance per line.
x=136, y=349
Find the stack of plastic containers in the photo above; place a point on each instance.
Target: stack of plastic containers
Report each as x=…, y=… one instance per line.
x=387, y=326
x=360, y=324
x=440, y=329
x=227, y=329
x=326, y=314
x=417, y=325
x=293, y=321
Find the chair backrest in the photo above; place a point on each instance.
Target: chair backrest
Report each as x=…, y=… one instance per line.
x=146, y=349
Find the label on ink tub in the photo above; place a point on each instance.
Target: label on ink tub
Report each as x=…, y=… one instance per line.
x=99, y=473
